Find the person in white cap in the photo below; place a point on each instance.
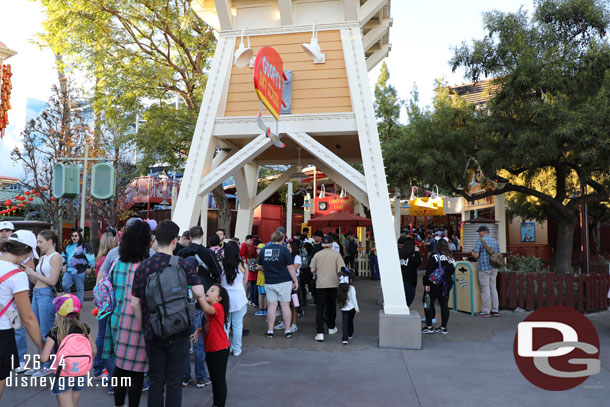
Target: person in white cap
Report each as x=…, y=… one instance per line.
x=15, y=307
x=6, y=228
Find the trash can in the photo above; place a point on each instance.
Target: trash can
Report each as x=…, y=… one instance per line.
x=466, y=293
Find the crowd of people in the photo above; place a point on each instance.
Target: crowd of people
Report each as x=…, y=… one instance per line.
x=161, y=296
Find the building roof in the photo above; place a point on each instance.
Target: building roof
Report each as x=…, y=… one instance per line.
x=475, y=92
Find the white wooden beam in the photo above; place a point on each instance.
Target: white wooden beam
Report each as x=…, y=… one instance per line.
x=369, y=9
x=351, y=9
x=246, y=183
x=236, y=162
x=327, y=123
x=376, y=33
x=285, y=12
x=376, y=183
x=202, y=146
x=332, y=160
x=377, y=56
x=223, y=9
x=274, y=186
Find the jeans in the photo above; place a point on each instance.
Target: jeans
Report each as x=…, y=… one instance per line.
x=74, y=279
x=166, y=360
x=253, y=292
x=347, y=324
x=326, y=308
x=199, y=352
x=236, y=322
x=489, y=290
x=42, y=305
x=100, y=364
x=374, y=266
x=22, y=344
x=44, y=310
x=409, y=292
x=217, y=365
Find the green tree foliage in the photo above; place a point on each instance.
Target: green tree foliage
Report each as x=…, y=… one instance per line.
x=137, y=52
x=387, y=105
x=550, y=115
x=59, y=131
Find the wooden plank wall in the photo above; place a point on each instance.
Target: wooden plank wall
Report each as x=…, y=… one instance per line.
x=317, y=88
x=586, y=293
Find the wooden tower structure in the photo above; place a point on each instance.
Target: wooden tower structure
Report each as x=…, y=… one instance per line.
x=331, y=119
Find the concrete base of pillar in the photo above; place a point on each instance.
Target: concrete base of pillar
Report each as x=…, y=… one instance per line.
x=400, y=331
x=379, y=296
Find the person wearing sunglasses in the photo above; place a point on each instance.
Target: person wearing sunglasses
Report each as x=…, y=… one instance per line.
x=78, y=260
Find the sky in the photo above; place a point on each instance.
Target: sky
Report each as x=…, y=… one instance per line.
x=422, y=36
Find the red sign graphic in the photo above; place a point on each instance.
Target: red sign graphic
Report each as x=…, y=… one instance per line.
x=556, y=348
x=269, y=79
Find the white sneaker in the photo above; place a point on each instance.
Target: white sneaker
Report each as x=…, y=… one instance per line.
x=30, y=372
x=332, y=331
x=293, y=328
x=280, y=326
x=21, y=368
x=319, y=337
x=45, y=371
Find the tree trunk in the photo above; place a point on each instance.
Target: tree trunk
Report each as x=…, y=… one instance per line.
x=224, y=210
x=565, y=239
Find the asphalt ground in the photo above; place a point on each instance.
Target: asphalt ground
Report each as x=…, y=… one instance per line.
x=472, y=365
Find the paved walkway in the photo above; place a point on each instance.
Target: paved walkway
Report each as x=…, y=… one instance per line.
x=471, y=366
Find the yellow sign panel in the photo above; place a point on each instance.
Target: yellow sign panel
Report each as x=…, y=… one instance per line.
x=427, y=207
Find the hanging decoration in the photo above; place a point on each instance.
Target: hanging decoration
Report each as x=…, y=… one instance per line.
x=19, y=202
x=5, y=96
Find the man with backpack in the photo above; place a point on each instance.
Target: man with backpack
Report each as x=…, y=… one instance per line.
x=160, y=300
x=209, y=272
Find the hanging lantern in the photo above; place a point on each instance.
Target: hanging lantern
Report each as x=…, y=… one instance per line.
x=30, y=199
x=52, y=199
x=7, y=202
x=27, y=193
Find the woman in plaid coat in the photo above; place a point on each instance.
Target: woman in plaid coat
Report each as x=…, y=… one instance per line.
x=124, y=338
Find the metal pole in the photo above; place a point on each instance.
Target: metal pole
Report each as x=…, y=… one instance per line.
x=84, y=193
x=584, y=216
x=289, y=210
x=315, y=190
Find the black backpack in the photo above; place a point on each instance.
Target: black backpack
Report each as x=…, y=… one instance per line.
x=167, y=295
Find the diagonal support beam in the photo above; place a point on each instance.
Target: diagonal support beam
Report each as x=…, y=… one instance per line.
x=274, y=186
x=285, y=12
x=236, y=162
x=377, y=57
x=375, y=34
x=344, y=182
x=332, y=160
x=369, y=9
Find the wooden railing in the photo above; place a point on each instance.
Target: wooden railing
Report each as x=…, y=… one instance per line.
x=530, y=291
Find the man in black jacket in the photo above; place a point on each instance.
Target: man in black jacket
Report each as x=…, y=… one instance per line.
x=209, y=268
x=209, y=272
